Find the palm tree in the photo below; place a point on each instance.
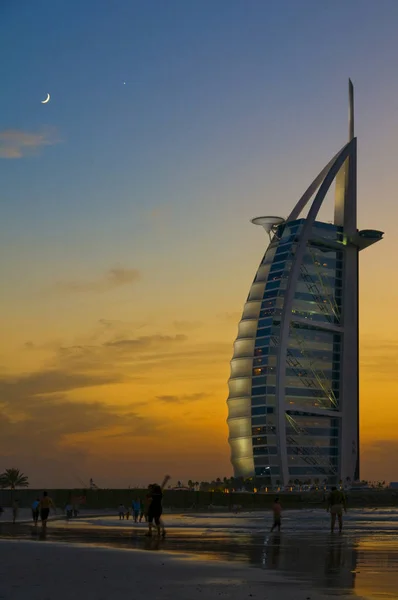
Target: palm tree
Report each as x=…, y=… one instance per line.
x=13, y=478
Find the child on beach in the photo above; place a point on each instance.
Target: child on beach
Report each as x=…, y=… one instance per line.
x=35, y=510
x=121, y=511
x=277, y=511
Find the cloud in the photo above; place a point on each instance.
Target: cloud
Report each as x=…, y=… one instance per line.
x=15, y=143
x=49, y=381
x=96, y=402
x=182, y=399
x=57, y=426
x=137, y=356
x=187, y=325
x=114, y=278
x=146, y=341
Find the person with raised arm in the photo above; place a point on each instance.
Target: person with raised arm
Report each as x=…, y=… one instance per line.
x=155, y=509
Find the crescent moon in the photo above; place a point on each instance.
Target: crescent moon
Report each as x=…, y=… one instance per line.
x=47, y=99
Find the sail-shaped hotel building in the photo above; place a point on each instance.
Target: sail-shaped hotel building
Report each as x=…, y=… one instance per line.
x=293, y=405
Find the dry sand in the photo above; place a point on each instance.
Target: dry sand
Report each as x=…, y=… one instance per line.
x=40, y=570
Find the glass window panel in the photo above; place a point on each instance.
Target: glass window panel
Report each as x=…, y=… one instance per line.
x=258, y=421
x=270, y=294
x=259, y=391
x=259, y=381
x=273, y=285
x=258, y=401
x=267, y=322
x=258, y=410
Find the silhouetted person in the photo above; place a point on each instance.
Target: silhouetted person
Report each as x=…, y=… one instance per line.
x=45, y=504
x=69, y=511
x=121, y=511
x=35, y=510
x=136, y=509
x=155, y=508
x=277, y=511
x=336, y=505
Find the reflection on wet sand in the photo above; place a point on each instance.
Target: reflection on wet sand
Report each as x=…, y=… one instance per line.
x=357, y=562
x=326, y=561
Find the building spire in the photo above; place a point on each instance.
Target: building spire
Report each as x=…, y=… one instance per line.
x=345, y=200
x=350, y=110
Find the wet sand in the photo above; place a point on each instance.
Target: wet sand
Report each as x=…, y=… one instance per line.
x=361, y=563
x=47, y=571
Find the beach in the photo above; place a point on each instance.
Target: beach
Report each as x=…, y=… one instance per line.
x=203, y=555
x=47, y=571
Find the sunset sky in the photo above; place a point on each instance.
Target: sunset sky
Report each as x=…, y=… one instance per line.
x=126, y=251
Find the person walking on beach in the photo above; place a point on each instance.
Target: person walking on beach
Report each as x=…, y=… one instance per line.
x=156, y=508
x=277, y=511
x=44, y=507
x=68, y=511
x=136, y=507
x=15, y=511
x=35, y=511
x=336, y=504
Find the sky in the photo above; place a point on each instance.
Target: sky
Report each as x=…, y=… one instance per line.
x=126, y=249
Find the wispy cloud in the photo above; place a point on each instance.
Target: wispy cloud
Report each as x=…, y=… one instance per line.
x=90, y=398
x=182, y=399
x=146, y=341
x=113, y=278
x=50, y=381
x=58, y=421
x=15, y=143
